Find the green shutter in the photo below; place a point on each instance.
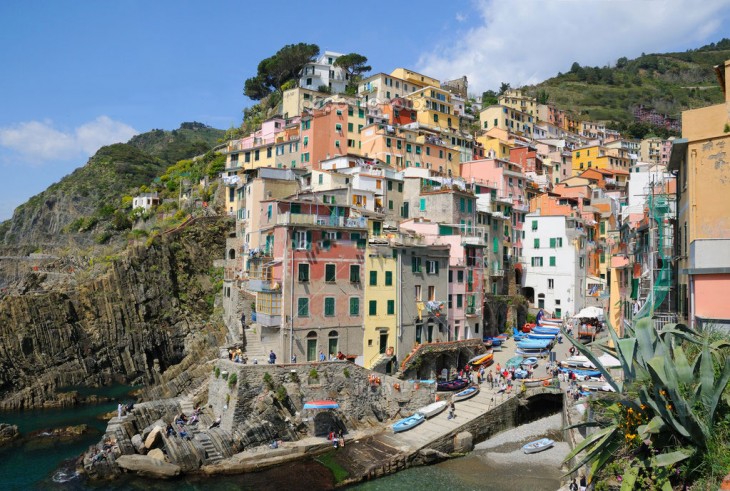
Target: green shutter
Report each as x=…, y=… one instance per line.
x=303, y=307
x=552, y=243
x=388, y=278
x=536, y=243
x=329, y=306
x=354, y=306
x=309, y=240
x=391, y=307
x=373, y=307
x=552, y=260
x=373, y=278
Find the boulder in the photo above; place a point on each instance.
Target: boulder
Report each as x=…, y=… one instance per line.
x=138, y=444
x=8, y=433
x=146, y=466
x=156, y=453
x=153, y=438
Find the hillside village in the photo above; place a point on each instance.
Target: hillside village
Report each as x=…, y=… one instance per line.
x=369, y=224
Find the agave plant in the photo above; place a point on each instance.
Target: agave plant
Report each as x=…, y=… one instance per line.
x=663, y=386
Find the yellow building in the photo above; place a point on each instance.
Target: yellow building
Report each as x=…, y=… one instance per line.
x=415, y=78
x=500, y=147
x=598, y=157
x=380, y=309
x=703, y=200
x=516, y=99
x=508, y=119
x=434, y=108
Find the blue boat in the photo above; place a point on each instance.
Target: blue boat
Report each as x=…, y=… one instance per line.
x=540, y=336
x=466, y=393
x=533, y=352
x=546, y=330
x=538, y=445
x=534, y=343
x=495, y=341
x=529, y=362
x=406, y=424
x=520, y=373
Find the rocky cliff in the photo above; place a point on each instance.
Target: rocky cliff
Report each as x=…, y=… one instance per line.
x=128, y=325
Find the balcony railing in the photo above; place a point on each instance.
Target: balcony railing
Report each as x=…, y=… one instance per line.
x=289, y=218
x=496, y=272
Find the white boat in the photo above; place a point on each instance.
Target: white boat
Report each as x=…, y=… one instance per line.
x=577, y=362
x=538, y=445
x=433, y=409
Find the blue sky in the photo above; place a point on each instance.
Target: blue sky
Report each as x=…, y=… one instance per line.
x=78, y=74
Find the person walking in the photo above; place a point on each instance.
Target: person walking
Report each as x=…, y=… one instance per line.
x=321, y=356
x=272, y=357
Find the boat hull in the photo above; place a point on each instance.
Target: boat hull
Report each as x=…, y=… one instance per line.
x=408, y=423
x=451, y=385
x=537, y=382
x=538, y=446
x=432, y=409
x=466, y=394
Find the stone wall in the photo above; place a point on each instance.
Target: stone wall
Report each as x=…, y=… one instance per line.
x=362, y=404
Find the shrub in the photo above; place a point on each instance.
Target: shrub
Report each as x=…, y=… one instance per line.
x=313, y=374
x=346, y=373
x=294, y=377
x=217, y=372
x=268, y=381
x=281, y=393
x=232, y=380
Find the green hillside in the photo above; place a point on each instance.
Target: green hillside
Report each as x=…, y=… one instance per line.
x=90, y=198
x=669, y=83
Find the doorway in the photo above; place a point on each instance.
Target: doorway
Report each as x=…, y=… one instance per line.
x=383, y=342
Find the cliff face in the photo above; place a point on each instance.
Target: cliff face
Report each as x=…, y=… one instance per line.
x=128, y=325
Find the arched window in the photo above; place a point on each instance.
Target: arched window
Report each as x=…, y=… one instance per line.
x=312, y=346
x=231, y=254
x=333, y=345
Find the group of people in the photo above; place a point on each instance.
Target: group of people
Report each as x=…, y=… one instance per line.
x=238, y=356
x=182, y=422
x=337, y=439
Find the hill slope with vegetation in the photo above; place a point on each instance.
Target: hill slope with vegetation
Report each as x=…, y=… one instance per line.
x=669, y=83
x=90, y=199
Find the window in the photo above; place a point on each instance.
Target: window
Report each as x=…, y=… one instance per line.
x=354, y=306
x=354, y=273
x=423, y=204
x=303, y=272
x=462, y=205
x=388, y=278
x=559, y=242
x=552, y=260
x=431, y=293
x=534, y=225
x=451, y=276
x=460, y=277
x=373, y=278
x=418, y=293
x=582, y=262
x=552, y=243
x=416, y=264
x=329, y=306
x=536, y=261
x=329, y=273
x=551, y=283
x=459, y=300
x=391, y=307
x=536, y=244
x=390, y=203
x=432, y=267
x=400, y=187
x=302, y=307
x=373, y=307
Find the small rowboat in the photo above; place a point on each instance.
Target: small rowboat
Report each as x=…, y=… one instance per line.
x=466, y=393
x=433, y=409
x=535, y=335
x=582, y=374
x=538, y=445
x=495, y=341
x=529, y=362
x=451, y=385
x=537, y=382
x=406, y=424
x=483, y=359
x=514, y=362
x=577, y=362
x=539, y=352
x=321, y=405
x=546, y=330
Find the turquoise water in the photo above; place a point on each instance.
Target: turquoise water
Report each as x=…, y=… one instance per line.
x=33, y=464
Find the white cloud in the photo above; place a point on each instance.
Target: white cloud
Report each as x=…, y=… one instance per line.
x=460, y=17
x=40, y=141
x=530, y=40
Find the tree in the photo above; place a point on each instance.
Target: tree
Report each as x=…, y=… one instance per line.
x=355, y=65
x=489, y=98
x=622, y=62
x=542, y=96
x=504, y=87
x=275, y=71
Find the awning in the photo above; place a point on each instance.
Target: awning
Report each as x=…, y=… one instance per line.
x=589, y=313
x=321, y=405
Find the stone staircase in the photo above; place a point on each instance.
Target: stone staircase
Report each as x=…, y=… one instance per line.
x=254, y=348
x=199, y=432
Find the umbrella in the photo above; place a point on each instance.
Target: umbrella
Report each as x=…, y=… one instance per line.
x=321, y=405
x=589, y=313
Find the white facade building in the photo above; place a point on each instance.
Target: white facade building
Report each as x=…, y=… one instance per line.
x=145, y=201
x=555, y=264
x=322, y=72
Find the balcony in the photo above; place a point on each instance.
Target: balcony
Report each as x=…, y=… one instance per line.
x=470, y=311
x=289, y=218
x=496, y=272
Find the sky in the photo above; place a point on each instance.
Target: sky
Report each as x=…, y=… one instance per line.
x=79, y=74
